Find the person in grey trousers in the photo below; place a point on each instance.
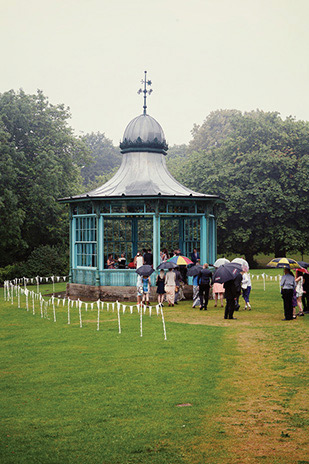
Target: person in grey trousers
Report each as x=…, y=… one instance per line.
x=177, y=283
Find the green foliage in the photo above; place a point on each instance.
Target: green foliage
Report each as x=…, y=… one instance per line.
x=47, y=260
x=214, y=130
x=10, y=272
x=40, y=161
x=44, y=261
x=177, y=151
x=261, y=168
x=104, y=156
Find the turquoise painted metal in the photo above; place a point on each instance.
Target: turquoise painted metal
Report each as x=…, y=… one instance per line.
x=141, y=206
x=94, y=236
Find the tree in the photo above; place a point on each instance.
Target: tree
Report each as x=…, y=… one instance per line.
x=214, y=130
x=261, y=167
x=43, y=158
x=104, y=157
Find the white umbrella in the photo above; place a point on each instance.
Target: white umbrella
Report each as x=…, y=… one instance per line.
x=241, y=261
x=220, y=262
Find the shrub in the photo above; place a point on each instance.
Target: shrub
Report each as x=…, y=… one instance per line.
x=44, y=261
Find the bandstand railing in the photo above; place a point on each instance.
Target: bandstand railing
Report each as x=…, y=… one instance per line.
x=110, y=277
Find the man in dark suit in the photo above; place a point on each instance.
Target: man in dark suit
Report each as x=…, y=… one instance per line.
x=237, y=283
x=148, y=258
x=195, y=257
x=204, y=281
x=230, y=295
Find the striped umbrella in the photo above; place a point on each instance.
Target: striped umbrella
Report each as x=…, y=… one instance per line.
x=284, y=262
x=180, y=260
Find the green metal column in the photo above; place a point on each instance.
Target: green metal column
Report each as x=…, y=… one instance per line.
x=134, y=236
x=212, y=242
x=100, y=247
x=156, y=240
x=203, y=240
x=181, y=236
x=73, y=250
x=208, y=238
x=215, y=239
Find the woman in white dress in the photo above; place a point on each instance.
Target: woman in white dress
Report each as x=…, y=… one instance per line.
x=170, y=283
x=299, y=291
x=138, y=260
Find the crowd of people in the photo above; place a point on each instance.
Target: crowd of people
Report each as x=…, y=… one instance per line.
x=170, y=285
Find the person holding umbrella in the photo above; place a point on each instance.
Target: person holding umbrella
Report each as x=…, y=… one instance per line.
x=143, y=285
x=169, y=281
x=204, y=282
x=287, y=289
x=194, y=272
x=226, y=274
x=287, y=283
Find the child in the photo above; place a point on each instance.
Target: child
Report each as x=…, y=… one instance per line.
x=146, y=289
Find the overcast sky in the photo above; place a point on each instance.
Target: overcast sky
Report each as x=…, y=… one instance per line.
x=201, y=55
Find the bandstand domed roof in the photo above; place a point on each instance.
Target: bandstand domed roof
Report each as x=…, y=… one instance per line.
x=143, y=133
x=143, y=171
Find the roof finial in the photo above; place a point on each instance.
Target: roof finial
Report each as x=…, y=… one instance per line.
x=145, y=91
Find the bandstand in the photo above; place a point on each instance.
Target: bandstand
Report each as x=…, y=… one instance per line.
x=141, y=206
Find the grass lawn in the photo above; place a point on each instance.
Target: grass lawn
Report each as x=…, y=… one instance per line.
x=78, y=395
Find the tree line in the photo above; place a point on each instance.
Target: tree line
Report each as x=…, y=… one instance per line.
x=256, y=161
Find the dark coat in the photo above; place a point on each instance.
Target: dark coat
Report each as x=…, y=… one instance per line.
x=177, y=277
x=204, y=277
x=194, y=258
x=148, y=259
x=230, y=290
x=237, y=283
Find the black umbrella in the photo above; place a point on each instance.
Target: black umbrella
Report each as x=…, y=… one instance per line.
x=194, y=270
x=167, y=265
x=303, y=264
x=226, y=272
x=145, y=270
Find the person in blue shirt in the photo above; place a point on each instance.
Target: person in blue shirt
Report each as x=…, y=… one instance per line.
x=196, y=296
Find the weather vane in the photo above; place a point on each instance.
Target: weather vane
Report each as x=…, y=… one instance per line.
x=145, y=91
